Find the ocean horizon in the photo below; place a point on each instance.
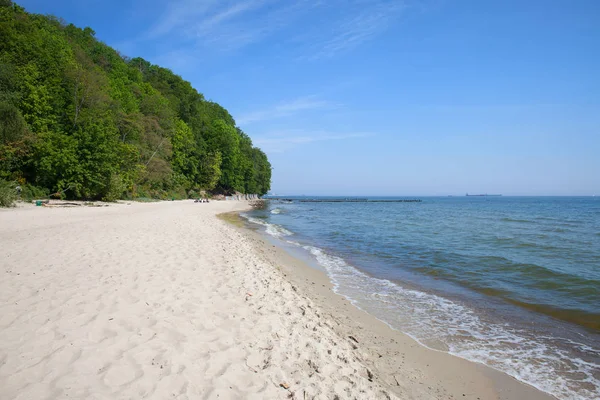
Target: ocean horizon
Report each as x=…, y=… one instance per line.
x=508, y=281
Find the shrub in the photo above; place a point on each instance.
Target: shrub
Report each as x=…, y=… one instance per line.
x=145, y=200
x=31, y=192
x=8, y=194
x=176, y=194
x=114, y=189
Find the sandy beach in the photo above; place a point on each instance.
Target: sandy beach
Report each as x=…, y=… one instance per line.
x=166, y=300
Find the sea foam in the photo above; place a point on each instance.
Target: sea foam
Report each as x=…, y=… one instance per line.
x=430, y=319
x=541, y=361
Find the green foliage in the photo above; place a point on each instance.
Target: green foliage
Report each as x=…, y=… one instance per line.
x=115, y=188
x=12, y=124
x=79, y=120
x=184, y=159
x=210, y=170
x=8, y=194
x=225, y=139
x=30, y=192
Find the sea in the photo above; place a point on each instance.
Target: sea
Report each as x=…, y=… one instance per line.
x=510, y=282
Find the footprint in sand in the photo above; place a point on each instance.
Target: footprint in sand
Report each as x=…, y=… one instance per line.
x=119, y=375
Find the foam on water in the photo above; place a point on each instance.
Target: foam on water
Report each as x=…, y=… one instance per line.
x=430, y=319
x=271, y=229
x=551, y=360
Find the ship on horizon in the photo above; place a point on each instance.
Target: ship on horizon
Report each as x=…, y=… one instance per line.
x=482, y=195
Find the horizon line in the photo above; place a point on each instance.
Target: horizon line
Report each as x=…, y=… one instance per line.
x=431, y=195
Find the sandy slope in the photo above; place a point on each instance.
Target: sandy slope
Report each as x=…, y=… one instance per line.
x=158, y=301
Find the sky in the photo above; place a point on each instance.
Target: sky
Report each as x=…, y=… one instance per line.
x=385, y=97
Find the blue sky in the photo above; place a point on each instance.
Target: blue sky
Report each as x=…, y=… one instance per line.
x=360, y=97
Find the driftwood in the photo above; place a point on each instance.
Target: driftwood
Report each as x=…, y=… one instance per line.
x=59, y=203
x=60, y=193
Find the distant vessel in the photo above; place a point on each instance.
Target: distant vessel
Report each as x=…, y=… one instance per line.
x=481, y=195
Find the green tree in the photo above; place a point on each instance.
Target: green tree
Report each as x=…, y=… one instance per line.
x=184, y=160
x=79, y=119
x=224, y=139
x=210, y=170
x=12, y=123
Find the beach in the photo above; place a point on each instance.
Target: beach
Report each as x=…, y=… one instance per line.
x=167, y=300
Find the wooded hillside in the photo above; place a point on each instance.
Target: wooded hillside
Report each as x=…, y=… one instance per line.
x=78, y=118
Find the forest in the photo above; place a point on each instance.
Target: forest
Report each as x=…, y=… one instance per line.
x=79, y=120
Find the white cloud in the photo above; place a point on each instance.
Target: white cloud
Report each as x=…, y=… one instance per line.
x=280, y=142
x=180, y=13
x=226, y=24
x=329, y=27
x=357, y=27
x=285, y=109
x=213, y=21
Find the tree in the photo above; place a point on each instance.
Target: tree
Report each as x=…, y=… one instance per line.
x=224, y=139
x=184, y=160
x=87, y=85
x=79, y=119
x=12, y=124
x=210, y=171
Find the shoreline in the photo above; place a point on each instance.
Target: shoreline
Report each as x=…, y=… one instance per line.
x=389, y=352
x=165, y=300
x=158, y=300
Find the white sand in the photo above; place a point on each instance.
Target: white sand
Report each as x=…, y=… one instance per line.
x=166, y=301
x=159, y=301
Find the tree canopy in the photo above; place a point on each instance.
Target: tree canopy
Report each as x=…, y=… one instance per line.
x=80, y=119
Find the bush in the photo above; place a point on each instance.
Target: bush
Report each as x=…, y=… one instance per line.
x=31, y=192
x=114, y=189
x=176, y=194
x=145, y=200
x=8, y=194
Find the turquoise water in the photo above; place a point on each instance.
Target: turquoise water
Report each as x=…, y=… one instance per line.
x=512, y=282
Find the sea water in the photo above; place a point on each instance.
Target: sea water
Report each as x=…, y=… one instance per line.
x=511, y=282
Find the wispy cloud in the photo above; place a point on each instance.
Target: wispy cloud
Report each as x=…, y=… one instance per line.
x=179, y=14
x=285, y=109
x=283, y=141
x=356, y=27
x=227, y=14
x=330, y=27
x=226, y=24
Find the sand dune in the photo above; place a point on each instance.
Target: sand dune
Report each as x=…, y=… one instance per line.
x=159, y=301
